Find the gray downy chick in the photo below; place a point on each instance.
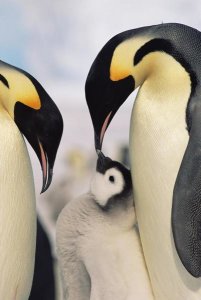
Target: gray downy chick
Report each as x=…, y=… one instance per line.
x=98, y=244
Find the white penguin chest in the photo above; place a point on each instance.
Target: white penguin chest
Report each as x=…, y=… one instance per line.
x=17, y=213
x=158, y=139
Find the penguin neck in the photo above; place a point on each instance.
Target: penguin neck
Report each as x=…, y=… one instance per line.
x=17, y=212
x=158, y=139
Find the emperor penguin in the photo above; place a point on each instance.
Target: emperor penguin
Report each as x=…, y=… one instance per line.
x=98, y=246
x=25, y=110
x=164, y=61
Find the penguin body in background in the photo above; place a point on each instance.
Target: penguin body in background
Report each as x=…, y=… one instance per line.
x=98, y=246
x=43, y=286
x=25, y=108
x=165, y=139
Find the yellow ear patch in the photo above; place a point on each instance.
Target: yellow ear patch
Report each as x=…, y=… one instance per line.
x=21, y=88
x=122, y=64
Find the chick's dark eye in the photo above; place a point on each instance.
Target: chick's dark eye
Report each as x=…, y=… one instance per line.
x=111, y=179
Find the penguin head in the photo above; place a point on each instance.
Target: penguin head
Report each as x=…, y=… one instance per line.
x=116, y=72
x=123, y=64
x=104, y=96
x=112, y=184
x=35, y=114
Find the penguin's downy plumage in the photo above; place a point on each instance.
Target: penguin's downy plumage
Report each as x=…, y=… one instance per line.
x=98, y=246
x=25, y=110
x=165, y=139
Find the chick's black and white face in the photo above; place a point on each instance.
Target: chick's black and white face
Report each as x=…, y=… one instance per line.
x=105, y=186
x=110, y=180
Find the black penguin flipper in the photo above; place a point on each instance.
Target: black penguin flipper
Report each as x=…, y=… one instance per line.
x=186, y=209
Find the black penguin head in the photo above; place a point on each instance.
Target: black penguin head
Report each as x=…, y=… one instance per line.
x=35, y=114
x=104, y=95
x=112, y=182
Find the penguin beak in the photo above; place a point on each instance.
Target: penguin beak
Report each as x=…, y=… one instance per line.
x=104, y=98
x=43, y=130
x=103, y=95
x=47, y=171
x=103, y=162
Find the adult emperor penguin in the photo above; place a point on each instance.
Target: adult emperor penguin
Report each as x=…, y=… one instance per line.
x=98, y=244
x=25, y=108
x=165, y=141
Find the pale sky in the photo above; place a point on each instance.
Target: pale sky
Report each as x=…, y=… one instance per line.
x=58, y=40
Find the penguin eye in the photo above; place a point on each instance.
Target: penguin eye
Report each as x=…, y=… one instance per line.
x=112, y=179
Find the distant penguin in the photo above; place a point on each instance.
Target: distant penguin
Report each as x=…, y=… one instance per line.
x=98, y=246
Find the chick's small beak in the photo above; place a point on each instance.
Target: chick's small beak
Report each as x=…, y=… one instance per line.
x=102, y=162
x=47, y=171
x=100, y=154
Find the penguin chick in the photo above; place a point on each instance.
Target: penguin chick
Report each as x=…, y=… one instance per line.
x=98, y=245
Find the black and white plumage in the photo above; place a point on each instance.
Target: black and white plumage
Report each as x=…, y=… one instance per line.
x=98, y=246
x=164, y=62
x=25, y=109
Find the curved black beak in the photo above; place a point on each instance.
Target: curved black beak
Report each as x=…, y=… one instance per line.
x=43, y=129
x=46, y=170
x=104, y=96
x=104, y=99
